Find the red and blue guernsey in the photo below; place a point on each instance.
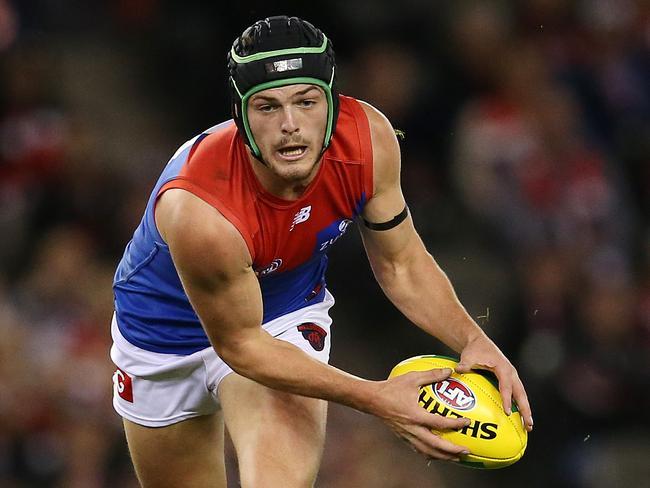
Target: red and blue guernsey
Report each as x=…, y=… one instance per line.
x=287, y=240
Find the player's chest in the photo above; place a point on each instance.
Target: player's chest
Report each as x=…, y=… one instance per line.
x=289, y=237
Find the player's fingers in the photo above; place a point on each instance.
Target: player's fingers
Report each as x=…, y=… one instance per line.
x=441, y=448
x=431, y=453
x=463, y=368
x=523, y=404
x=466, y=367
x=505, y=387
x=428, y=377
x=506, y=376
x=438, y=422
x=429, y=448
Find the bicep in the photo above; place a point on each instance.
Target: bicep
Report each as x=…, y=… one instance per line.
x=214, y=266
x=229, y=307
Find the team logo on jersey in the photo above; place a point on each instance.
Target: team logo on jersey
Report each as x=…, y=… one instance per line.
x=275, y=264
x=314, y=334
x=301, y=216
x=123, y=385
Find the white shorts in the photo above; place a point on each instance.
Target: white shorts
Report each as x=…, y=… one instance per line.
x=155, y=389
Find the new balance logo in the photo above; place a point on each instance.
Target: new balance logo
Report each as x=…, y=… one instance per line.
x=301, y=216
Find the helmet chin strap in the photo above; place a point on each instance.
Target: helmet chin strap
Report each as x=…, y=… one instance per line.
x=259, y=159
x=248, y=145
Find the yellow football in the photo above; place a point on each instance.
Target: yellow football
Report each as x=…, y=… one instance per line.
x=494, y=439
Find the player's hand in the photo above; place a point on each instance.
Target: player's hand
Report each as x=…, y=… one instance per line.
x=482, y=353
x=396, y=403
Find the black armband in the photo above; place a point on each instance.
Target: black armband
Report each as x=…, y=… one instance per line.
x=394, y=222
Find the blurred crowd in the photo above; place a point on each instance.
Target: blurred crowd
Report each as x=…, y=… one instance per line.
x=526, y=164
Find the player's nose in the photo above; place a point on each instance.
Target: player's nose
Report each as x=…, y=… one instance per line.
x=289, y=124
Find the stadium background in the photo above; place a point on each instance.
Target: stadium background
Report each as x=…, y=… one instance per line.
x=526, y=164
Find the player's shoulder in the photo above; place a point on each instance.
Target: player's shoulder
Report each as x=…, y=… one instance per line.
x=214, y=133
x=216, y=139
x=359, y=119
x=380, y=126
x=191, y=226
x=385, y=147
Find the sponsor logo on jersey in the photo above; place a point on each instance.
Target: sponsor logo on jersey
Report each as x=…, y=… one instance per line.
x=275, y=264
x=314, y=334
x=123, y=385
x=454, y=394
x=339, y=229
x=301, y=216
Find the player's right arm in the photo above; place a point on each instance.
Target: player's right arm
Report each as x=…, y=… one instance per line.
x=215, y=268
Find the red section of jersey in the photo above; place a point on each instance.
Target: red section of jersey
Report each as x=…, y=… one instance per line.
x=123, y=385
x=281, y=234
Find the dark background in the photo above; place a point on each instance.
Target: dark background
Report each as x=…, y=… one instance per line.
x=526, y=165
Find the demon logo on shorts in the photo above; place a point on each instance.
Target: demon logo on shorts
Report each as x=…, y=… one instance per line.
x=314, y=334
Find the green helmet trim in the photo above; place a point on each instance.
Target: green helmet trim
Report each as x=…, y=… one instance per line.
x=327, y=88
x=278, y=52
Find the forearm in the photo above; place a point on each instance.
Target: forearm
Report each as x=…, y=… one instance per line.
x=283, y=366
x=420, y=289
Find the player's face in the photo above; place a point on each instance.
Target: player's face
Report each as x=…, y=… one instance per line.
x=288, y=124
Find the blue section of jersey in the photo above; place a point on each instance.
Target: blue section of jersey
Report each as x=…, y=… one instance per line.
x=152, y=309
x=360, y=205
x=292, y=290
x=330, y=234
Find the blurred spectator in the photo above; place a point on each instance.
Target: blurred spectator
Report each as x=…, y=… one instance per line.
x=523, y=162
x=403, y=90
x=54, y=367
x=529, y=164
x=32, y=146
x=8, y=25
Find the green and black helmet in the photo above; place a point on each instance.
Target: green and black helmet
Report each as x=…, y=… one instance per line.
x=280, y=51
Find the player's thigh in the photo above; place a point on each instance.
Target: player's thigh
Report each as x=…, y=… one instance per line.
x=187, y=453
x=278, y=436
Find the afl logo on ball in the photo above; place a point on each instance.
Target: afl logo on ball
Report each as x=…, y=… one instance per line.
x=455, y=394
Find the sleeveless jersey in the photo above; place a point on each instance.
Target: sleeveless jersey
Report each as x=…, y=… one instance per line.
x=287, y=240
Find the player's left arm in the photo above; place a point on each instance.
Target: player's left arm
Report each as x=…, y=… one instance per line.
x=412, y=279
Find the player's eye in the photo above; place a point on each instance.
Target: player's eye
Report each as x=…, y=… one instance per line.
x=307, y=103
x=265, y=108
